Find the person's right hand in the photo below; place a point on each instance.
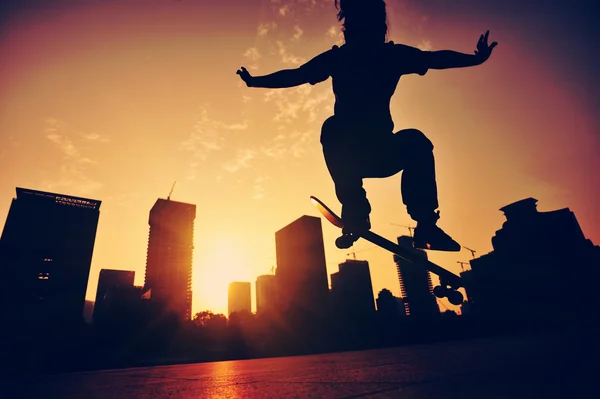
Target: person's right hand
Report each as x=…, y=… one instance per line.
x=245, y=76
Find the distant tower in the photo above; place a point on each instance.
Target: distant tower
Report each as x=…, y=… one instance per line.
x=266, y=293
x=239, y=298
x=415, y=284
x=352, y=290
x=301, y=270
x=108, y=279
x=169, y=259
x=45, y=257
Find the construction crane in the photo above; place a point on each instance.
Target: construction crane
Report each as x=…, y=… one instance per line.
x=171, y=192
x=410, y=228
x=462, y=264
x=353, y=253
x=471, y=250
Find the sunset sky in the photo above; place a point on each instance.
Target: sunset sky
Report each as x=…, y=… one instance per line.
x=116, y=99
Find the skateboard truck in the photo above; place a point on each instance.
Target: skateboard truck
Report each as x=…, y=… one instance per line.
x=448, y=290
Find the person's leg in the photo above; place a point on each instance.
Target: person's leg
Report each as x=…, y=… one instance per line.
x=343, y=164
x=419, y=189
x=418, y=185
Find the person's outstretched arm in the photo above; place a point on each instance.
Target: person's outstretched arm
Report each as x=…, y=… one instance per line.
x=445, y=59
x=314, y=71
x=276, y=80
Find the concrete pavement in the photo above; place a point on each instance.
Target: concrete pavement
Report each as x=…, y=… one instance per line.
x=535, y=366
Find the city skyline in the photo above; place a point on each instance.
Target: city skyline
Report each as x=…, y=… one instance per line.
x=115, y=108
x=300, y=243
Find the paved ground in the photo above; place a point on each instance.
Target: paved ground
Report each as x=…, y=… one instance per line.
x=537, y=366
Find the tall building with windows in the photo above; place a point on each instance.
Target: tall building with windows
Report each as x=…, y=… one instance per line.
x=107, y=280
x=45, y=256
x=168, y=279
x=301, y=274
x=239, y=298
x=266, y=293
x=415, y=284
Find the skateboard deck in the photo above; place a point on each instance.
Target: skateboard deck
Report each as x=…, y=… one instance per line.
x=447, y=278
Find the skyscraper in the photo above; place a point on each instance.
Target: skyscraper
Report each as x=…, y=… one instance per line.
x=301, y=270
x=239, y=298
x=45, y=256
x=266, y=293
x=106, y=280
x=352, y=290
x=415, y=284
x=169, y=259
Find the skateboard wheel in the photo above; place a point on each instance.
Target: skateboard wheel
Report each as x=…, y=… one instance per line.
x=439, y=291
x=343, y=242
x=455, y=297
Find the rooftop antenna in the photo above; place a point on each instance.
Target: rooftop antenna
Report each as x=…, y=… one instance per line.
x=410, y=228
x=462, y=264
x=471, y=250
x=171, y=192
x=353, y=254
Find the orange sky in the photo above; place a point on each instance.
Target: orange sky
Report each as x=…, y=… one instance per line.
x=115, y=100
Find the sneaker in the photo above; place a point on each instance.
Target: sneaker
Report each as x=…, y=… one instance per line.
x=430, y=236
x=356, y=225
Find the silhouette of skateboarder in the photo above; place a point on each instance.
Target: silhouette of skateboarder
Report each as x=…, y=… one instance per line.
x=358, y=140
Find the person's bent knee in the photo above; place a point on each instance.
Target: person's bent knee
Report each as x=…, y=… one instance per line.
x=416, y=139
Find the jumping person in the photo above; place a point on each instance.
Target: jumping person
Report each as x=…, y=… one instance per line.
x=358, y=140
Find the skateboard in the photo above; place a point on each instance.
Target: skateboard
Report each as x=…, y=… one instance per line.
x=449, y=282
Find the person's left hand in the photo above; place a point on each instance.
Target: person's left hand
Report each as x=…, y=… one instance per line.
x=483, y=49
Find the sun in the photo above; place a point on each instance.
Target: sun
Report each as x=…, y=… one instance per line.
x=218, y=263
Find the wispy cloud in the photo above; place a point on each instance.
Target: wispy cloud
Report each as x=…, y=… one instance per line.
x=298, y=32
x=73, y=164
x=302, y=102
x=264, y=28
x=95, y=137
x=295, y=144
x=336, y=32
x=241, y=160
x=284, y=10
x=286, y=57
x=258, y=190
x=207, y=136
x=252, y=54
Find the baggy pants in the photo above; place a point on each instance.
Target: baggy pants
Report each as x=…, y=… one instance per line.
x=350, y=157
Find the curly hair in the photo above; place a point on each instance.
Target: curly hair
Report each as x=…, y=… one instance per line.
x=364, y=20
